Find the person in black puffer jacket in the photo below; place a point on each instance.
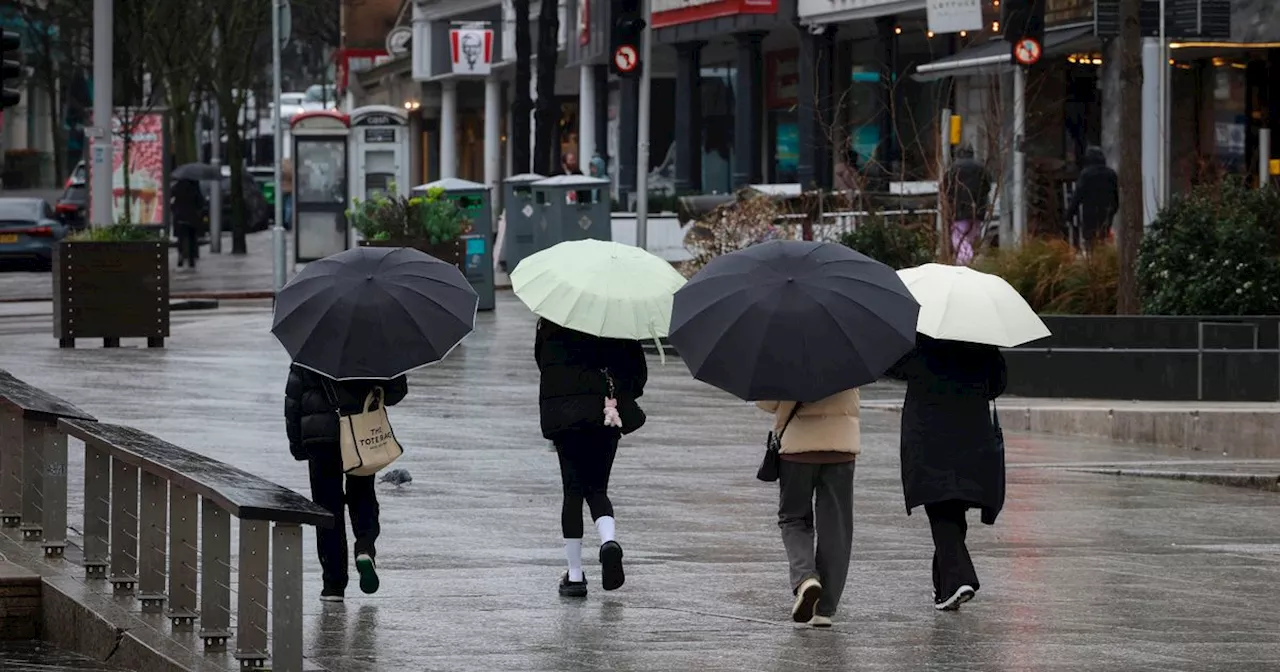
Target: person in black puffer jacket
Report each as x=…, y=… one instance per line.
x=312, y=403
x=587, y=401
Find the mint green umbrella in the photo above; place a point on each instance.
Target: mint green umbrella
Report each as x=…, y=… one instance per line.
x=600, y=288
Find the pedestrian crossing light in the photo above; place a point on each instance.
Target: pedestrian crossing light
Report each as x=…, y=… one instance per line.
x=10, y=69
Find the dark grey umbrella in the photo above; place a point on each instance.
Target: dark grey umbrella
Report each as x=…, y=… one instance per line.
x=792, y=321
x=198, y=172
x=374, y=312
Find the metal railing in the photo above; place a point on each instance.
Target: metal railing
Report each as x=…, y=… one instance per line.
x=157, y=525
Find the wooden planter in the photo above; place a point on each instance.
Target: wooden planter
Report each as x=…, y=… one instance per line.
x=450, y=252
x=111, y=291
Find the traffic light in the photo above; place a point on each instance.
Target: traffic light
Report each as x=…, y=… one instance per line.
x=10, y=69
x=1023, y=19
x=625, y=38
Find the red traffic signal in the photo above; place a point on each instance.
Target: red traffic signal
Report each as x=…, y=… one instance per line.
x=10, y=69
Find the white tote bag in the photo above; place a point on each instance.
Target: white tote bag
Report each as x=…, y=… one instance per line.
x=368, y=443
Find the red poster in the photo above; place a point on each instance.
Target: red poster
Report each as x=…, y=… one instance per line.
x=145, y=195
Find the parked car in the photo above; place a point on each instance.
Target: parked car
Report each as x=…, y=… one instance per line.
x=258, y=213
x=29, y=230
x=79, y=175
x=72, y=207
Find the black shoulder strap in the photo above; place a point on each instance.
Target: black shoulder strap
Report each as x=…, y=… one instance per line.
x=794, y=409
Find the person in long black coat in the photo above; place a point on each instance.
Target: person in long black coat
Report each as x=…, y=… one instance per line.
x=312, y=404
x=1096, y=198
x=952, y=451
x=187, y=205
x=587, y=400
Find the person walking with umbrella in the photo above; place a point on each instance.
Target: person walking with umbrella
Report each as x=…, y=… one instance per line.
x=594, y=300
x=952, y=445
x=355, y=324
x=808, y=323
x=187, y=204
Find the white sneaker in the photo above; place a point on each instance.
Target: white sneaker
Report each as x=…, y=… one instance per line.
x=963, y=594
x=807, y=596
x=820, y=621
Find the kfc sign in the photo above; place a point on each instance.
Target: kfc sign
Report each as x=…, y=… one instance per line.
x=471, y=50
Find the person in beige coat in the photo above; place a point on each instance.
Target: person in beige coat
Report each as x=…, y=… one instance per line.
x=820, y=442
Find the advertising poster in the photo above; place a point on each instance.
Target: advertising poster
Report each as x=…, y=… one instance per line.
x=145, y=195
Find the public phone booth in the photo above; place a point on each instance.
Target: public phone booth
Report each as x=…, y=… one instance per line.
x=320, y=176
x=379, y=146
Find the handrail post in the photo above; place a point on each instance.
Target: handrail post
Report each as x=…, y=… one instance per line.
x=184, y=517
x=55, y=489
x=124, y=526
x=251, y=604
x=286, y=598
x=152, y=532
x=32, y=482
x=215, y=576
x=10, y=469
x=97, y=511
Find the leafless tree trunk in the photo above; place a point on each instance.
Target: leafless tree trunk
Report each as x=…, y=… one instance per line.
x=522, y=106
x=545, y=152
x=1129, y=226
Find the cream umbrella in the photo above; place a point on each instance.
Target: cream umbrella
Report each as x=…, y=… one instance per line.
x=958, y=303
x=600, y=288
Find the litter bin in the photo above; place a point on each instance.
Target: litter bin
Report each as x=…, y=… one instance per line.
x=477, y=249
x=570, y=207
x=517, y=240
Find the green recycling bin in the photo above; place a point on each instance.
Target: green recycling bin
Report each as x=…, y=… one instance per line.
x=477, y=247
x=570, y=207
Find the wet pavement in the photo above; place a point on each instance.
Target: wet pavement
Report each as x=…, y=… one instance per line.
x=1084, y=572
x=40, y=657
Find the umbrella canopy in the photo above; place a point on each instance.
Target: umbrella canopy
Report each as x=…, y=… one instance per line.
x=794, y=321
x=600, y=288
x=374, y=312
x=958, y=303
x=199, y=172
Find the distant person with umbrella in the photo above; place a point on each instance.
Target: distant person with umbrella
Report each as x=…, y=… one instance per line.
x=951, y=443
x=594, y=300
x=808, y=323
x=966, y=187
x=187, y=208
x=355, y=323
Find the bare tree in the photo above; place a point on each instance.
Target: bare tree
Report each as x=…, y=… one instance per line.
x=173, y=55
x=54, y=35
x=546, y=153
x=1129, y=226
x=522, y=106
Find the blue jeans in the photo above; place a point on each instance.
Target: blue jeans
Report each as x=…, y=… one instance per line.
x=288, y=212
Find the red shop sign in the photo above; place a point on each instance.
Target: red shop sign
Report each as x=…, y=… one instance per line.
x=782, y=78
x=668, y=13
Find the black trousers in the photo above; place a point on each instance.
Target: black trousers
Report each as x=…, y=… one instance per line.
x=952, y=566
x=188, y=244
x=328, y=491
x=586, y=459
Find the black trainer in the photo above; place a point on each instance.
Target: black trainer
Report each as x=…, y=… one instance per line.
x=572, y=588
x=612, y=576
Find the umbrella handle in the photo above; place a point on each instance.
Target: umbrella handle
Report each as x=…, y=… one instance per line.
x=375, y=393
x=662, y=352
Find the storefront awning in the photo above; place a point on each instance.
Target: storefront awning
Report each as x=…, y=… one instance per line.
x=995, y=57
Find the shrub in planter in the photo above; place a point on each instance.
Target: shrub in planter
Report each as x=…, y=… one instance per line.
x=431, y=223
x=730, y=227
x=1213, y=251
x=895, y=244
x=1053, y=279
x=111, y=283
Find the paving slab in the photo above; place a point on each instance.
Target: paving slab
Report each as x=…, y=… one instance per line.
x=1084, y=572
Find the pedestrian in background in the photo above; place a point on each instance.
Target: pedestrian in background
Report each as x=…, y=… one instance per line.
x=286, y=192
x=187, y=207
x=966, y=186
x=587, y=400
x=312, y=406
x=819, y=443
x=952, y=454
x=1096, y=199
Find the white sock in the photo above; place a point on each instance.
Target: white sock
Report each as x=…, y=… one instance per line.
x=605, y=525
x=573, y=553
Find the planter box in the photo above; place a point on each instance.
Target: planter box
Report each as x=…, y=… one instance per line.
x=447, y=252
x=111, y=291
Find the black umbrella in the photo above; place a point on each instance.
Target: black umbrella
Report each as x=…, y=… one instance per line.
x=198, y=172
x=792, y=321
x=374, y=312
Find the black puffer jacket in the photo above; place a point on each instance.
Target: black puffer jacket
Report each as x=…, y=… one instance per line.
x=310, y=411
x=576, y=371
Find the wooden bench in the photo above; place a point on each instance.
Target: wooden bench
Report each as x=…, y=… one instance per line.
x=157, y=512
x=33, y=462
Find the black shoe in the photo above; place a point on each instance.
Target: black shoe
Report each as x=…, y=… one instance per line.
x=330, y=594
x=612, y=576
x=572, y=588
x=368, y=570
x=963, y=594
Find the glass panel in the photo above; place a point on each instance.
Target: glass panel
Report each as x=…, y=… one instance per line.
x=377, y=183
x=320, y=234
x=322, y=172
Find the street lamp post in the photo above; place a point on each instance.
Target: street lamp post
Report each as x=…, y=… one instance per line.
x=100, y=134
x=642, y=133
x=277, y=122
